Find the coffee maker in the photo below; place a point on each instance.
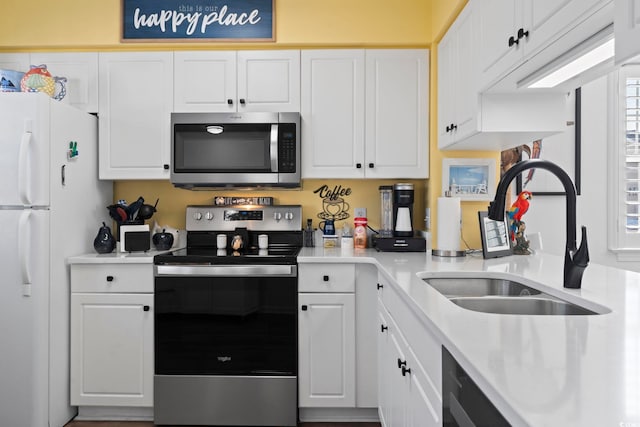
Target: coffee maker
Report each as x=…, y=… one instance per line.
x=401, y=238
x=402, y=210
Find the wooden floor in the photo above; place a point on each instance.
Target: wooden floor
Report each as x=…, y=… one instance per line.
x=150, y=424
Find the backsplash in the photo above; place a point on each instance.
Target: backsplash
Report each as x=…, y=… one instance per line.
x=318, y=198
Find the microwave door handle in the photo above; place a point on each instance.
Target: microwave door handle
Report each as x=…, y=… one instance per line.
x=274, y=148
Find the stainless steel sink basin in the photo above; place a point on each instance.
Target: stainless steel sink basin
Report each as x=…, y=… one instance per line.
x=479, y=286
x=518, y=305
x=503, y=296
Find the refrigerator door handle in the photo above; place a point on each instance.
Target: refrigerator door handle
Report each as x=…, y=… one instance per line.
x=23, y=169
x=24, y=249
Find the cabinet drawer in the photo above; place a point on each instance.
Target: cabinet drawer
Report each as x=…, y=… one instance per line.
x=326, y=278
x=121, y=278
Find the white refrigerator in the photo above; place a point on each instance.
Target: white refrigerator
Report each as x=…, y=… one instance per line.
x=51, y=206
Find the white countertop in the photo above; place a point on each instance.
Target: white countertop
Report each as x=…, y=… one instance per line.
x=116, y=257
x=538, y=370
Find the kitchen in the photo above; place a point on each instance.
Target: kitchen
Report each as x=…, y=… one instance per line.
x=294, y=31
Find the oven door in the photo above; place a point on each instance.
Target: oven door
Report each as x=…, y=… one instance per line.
x=226, y=320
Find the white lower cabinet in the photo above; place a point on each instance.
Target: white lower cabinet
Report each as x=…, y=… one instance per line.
x=327, y=350
x=326, y=336
x=408, y=395
x=112, y=335
x=337, y=364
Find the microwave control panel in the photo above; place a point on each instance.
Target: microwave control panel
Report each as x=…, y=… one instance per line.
x=287, y=147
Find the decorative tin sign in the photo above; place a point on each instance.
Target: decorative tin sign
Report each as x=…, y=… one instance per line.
x=198, y=20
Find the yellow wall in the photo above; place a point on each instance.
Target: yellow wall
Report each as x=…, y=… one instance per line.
x=95, y=25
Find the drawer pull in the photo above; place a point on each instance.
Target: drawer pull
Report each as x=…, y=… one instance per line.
x=401, y=363
x=379, y=286
x=109, y=278
x=146, y=308
x=304, y=308
x=405, y=371
x=325, y=278
x=383, y=328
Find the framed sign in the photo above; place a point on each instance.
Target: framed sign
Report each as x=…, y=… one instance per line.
x=469, y=179
x=198, y=20
x=494, y=236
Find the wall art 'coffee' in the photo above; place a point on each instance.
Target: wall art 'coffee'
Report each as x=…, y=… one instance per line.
x=334, y=205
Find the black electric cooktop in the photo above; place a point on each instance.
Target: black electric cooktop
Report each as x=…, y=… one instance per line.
x=251, y=255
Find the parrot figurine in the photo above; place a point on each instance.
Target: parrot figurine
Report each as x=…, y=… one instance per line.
x=517, y=210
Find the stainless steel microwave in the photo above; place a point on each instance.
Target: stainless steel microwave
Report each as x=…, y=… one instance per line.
x=235, y=150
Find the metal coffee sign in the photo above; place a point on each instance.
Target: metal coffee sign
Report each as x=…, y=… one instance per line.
x=219, y=20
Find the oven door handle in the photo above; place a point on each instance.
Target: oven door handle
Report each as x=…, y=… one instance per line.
x=227, y=270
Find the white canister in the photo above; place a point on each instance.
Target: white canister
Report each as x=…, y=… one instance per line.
x=263, y=241
x=221, y=241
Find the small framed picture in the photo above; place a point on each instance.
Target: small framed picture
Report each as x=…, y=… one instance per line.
x=469, y=179
x=495, y=236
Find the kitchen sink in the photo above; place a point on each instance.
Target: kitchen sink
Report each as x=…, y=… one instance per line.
x=521, y=305
x=503, y=296
x=479, y=287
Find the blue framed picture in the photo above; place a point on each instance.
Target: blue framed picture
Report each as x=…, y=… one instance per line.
x=469, y=179
x=198, y=20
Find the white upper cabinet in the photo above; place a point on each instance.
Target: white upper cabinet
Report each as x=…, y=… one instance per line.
x=365, y=113
x=471, y=120
x=269, y=80
x=81, y=71
x=397, y=113
x=332, y=113
x=204, y=81
x=529, y=34
x=457, y=81
x=15, y=61
x=135, y=104
x=627, y=29
x=230, y=81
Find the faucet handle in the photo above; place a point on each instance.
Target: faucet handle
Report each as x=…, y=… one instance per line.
x=581, y=256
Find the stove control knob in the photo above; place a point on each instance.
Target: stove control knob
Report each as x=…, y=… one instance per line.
x=277, y=216
x=288, y=216
x=208, y=216
x=197, y=216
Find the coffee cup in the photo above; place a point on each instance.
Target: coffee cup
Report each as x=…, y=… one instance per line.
x=327, y=227
x=335, y=207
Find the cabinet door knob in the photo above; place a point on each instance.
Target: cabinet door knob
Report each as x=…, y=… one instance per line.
x=405, y=371
x=358, y=165
x=304, y=308
x=379, y=286
x=109, y=278
x=383, y=328
x=325, y=278
x=230, y=101
x=371, y=165
x=401, y=363
x=146, y=307
x=522, y=33
x=512, y=41
x=242, y=101
x=448, y=129
x=165, y=167
x=454, y=127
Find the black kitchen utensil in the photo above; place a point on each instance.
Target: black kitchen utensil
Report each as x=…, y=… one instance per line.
x=146, y=211
x=132, y=209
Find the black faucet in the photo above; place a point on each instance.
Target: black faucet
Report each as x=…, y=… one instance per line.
x=575, y=259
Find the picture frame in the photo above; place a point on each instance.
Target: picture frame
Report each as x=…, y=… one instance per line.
x=469, y=179
x=564, y=150
x=197, y=20
x=494, y=236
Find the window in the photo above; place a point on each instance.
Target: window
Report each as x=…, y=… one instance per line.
x=625, y=182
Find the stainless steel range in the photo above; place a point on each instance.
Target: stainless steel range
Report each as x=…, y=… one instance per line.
x=226, y=319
